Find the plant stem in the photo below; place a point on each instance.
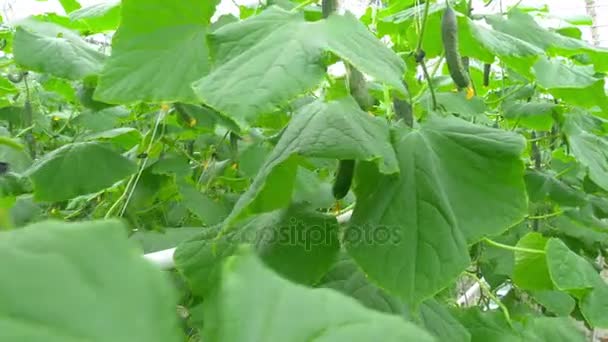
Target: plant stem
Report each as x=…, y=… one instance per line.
x=564, y=171
x=541, y=138
x=419, y=53
x=537, y=159
x=302, y=5
x=132, y=183
x=545, y=216
x=536, y=156
x=506, y=95
x=423, y=26
x=433, y=73
x=159, y=118
x=516, y=4
x=492, y=296
x=430, y=83
x=512, y=248
x=387, y=101
x=28, y=118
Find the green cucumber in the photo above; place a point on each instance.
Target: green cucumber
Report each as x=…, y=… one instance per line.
x=328, y=7
x=486, y=74
x=344, y=178
x=449, y=37
x=403, y=110
x=15, y=78
x=358, y=88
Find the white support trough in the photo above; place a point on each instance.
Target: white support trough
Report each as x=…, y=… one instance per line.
x=164, y=259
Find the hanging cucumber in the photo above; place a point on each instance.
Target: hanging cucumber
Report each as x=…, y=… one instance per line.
x=486, y=74
x=403, y=110
x=15, y=78
x=344, y=178
x=328, y=7
x=358, y=88
x=449, y=37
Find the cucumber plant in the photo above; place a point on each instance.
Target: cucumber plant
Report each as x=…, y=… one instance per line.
x=420, y=171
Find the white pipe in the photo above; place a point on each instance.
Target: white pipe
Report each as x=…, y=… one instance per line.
x=344, y=217
x=164, y=259
x=469, y=294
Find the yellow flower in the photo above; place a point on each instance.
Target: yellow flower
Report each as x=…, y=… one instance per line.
x=470, y=92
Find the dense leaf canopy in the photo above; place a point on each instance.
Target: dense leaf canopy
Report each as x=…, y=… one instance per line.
x=146, y=125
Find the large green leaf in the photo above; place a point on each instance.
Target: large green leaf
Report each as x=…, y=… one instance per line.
x=123, y=137
x=12, y=114
x=6, y=87
x=346, y=277
x=575, y=84
x=265, y=303
x=99, y=17
x=60, y=20
x=81, y=282
x=531, y=271
x=571, y=273
x=409, y=232
x=554, y=329
x=523, y=26
x=594, y=305
x=199, y=258
x=77, y=169
x=589, y=147
x=18, y=160
x=297, y=242
x=208, y=210
x=338, y=129
x=557, y=302
x=487, y=326
x=309, y=188
x=438, y=320
x=49, y=48
x=163, y=46
x=456, y=103
x=534, y=115
x=484, y=43
x=69, y=5
x=263, y=62
x=574, y=224
x=492, y=326
x=543, y=186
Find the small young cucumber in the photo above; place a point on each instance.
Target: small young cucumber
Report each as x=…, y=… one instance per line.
x=449, y=37
x=358, y=88
x=403, y=110
x=344, y=178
